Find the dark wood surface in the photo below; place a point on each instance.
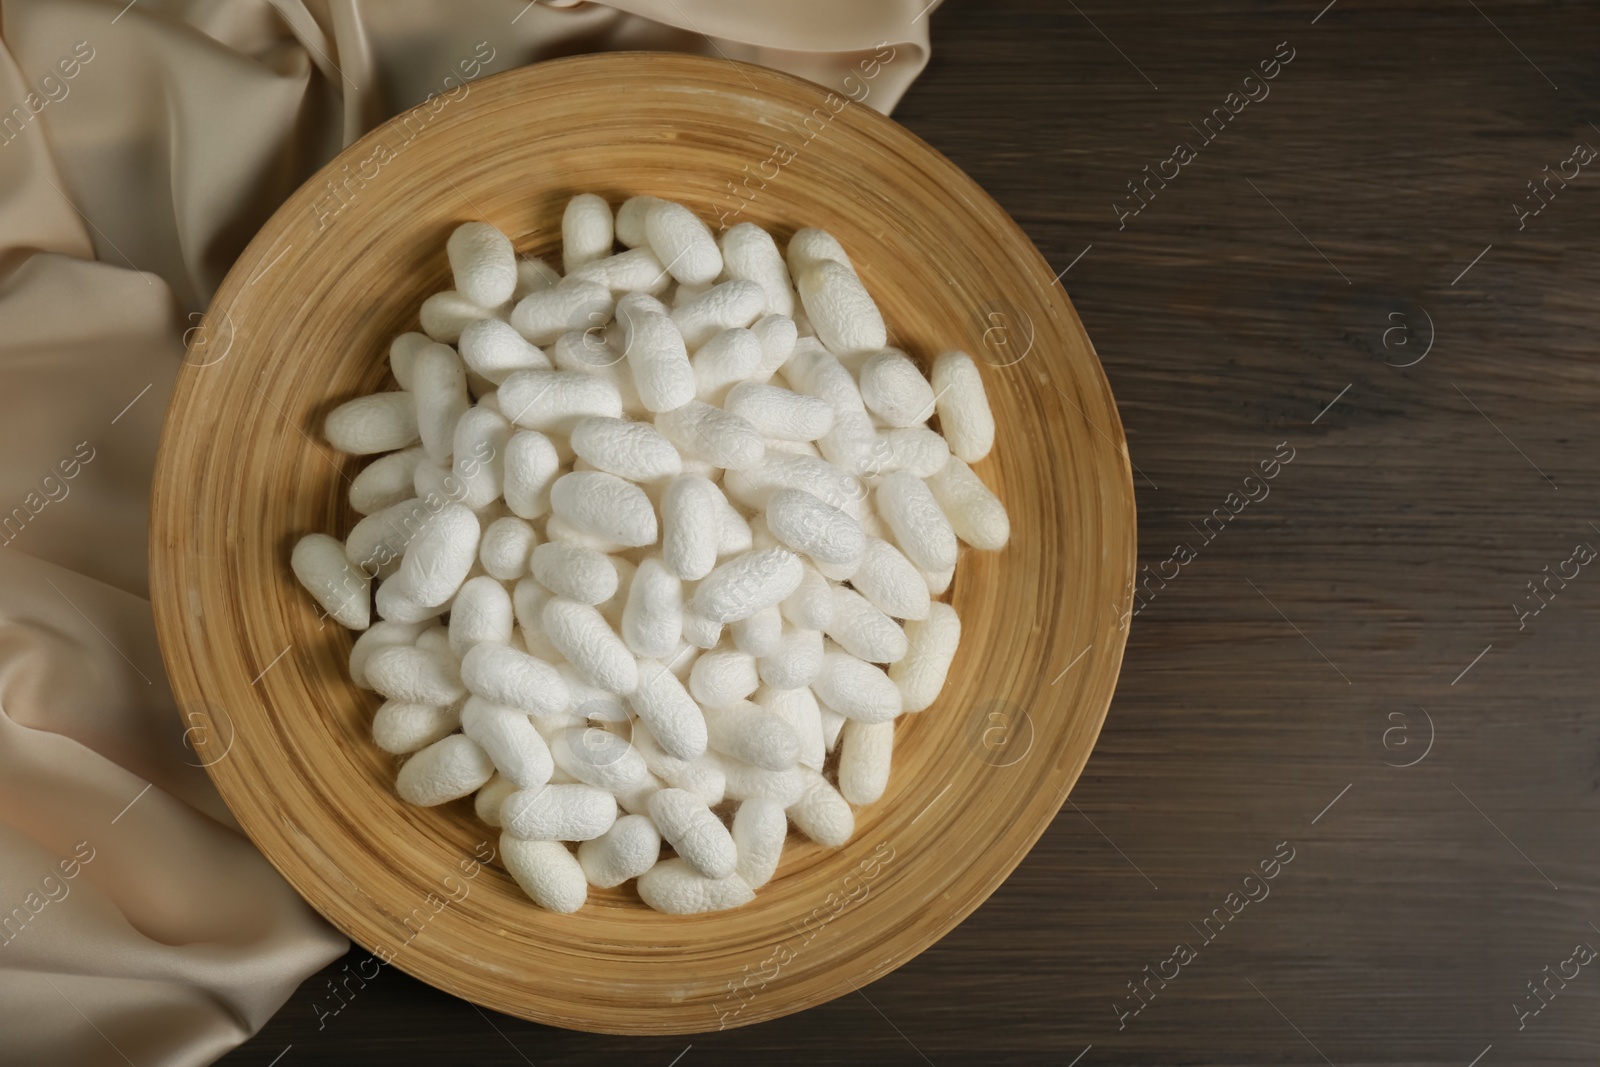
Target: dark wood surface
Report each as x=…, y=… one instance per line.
x=1302, y=653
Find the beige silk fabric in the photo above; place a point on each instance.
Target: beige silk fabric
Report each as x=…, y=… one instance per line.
x=140, y=148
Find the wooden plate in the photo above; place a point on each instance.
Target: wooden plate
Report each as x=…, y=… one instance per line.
x=303, y=322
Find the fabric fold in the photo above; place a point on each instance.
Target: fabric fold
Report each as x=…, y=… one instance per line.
x=141, y=146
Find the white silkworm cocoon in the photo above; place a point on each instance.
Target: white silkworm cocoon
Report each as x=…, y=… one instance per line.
x=528, y=599
x=493, y=350
x=703, y=776
x=732, y=304
x=723, y=677
x=480, y=613
x=864, y=631
x=700, y=631
x=758, y=634
x=794, y=662
x=712, y=434
x=435, y=640
x=586, y=232
x=657, y=357
x=600, y=758
x=793, y=448
x=543, y=316
x=400, y=728
x=505, y=547
x=381, y=422
x=832, y=724
x=760, y=828
x=437, y=559
x=487, y=800
x=799, y=708
x=975, y=513
x=734, y=534
x=510, y=740
x=675, y=888
x=652, y=620
x=914, y=448
x=820, y=812
x=778, y=335
x=682, y=242
x=415, y=676
x=444, y=315
x=924, y=534
x=403, y=353
x=840, y=310
x=855, y=688
x=587, y=641
x=534, y=274
x=964, y=415
x=815, y=528
x=446, y=770
x=750, y=254
x=728, y=358
x=593, y=354
x=635, y=451
x=779, y=413
x=574, y=572
x=575, y=812
x=852, y=441
x=384, y=482
x=683, y=294
x=605, y=506
x=630, y=220
x=682, y=660
x=745, y=781
x=588, y=701
x=893, y=388
x=479, y=449
x=698, y=836
x=395, y=603
x=510, y=676
x=627, y=850
x=554, y=400
x=748, y=733
x=439, y=386
x=635, y=271
x=890, y=581
x=745, y=584
x=483, y=262
x=380, y=635
x=865, y=752
x=344, y=592
x=539, y=645
x=933, y=642
x=939, y=581
x=810, y=606
x=636, y=801
x=545, y=870
x=667, y=708
x=432, y=481
x=752, y=486
x=811, y=245
x=689, y=509
x=531, y=465
x=613, y=606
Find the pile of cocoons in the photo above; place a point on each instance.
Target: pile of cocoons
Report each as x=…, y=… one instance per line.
x=651, y=551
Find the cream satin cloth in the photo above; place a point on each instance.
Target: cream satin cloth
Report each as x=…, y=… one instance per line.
x=140, y=147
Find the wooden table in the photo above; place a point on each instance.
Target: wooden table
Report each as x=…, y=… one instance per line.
x=1347, y=669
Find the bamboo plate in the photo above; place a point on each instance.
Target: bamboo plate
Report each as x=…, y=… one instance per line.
x=303, y=322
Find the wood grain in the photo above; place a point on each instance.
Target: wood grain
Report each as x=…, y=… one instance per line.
x=302, y=323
